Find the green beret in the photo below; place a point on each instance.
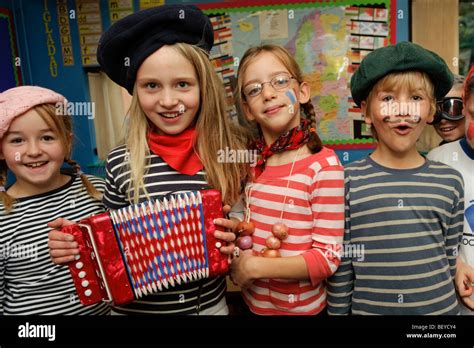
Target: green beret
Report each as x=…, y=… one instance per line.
x=400, y=57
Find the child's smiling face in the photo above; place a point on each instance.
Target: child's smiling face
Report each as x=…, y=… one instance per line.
x=168, y=90
x=34, y=152
x=450, y=130
x=275, y=109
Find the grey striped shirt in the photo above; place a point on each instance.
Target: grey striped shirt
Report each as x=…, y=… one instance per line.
x=402, y=233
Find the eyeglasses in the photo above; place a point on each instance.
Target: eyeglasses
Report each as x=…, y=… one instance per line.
x=449, y=109
x=279, y=82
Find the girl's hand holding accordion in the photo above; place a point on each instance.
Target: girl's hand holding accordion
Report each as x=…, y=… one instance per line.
x=62, y=246
x=227, y=236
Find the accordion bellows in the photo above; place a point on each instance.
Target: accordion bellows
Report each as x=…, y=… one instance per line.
x=142, y=249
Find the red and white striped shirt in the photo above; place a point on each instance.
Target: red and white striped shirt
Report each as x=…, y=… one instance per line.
x=314, y=213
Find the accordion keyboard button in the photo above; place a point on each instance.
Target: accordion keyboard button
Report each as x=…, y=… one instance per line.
x=82, y=274
x=88, y=292
x=77, y=257
x=85, y=283
x=218, y=245
x=79, y=265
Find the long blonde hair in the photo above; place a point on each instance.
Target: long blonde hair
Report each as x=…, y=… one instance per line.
x=62, y=126
x=213, y=126
x=314, y=144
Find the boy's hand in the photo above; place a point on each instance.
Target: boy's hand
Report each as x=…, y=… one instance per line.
x=62, y=246
x=463, y=281
x=227, y=236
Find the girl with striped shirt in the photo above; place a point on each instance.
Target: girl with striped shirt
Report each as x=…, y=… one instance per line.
x=298, y=185
x=35, y=142
x=178, y=123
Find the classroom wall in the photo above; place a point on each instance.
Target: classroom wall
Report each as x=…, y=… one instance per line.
x=71, y=81
x=6, y=3
x=435, y=27
x=9, y=75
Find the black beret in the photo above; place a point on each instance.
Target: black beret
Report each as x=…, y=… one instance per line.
x=128, y=42
x=400, y=57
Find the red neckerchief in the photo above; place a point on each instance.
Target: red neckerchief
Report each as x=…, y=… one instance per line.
x=177, y=150
x=290, y=140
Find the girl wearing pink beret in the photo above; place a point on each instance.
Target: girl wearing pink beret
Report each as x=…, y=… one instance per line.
x=35, y=141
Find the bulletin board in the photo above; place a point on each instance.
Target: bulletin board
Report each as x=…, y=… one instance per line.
x=466, y=36
x=328, y=40
x=9, y=61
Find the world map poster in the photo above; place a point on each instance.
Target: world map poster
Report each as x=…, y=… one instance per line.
x=328, y=43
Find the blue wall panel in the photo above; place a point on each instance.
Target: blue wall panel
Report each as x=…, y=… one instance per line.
x=33, y=23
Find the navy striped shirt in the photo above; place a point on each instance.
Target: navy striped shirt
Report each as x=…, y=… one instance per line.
x=160, y=180
x=30, y=283
x=402, y=233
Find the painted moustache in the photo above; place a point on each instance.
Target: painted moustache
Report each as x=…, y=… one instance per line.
x=406, y=119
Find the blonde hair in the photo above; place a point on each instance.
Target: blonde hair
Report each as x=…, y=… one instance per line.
x=293, y=68
x=62, y=127
x=214, y=129
x=412, y=79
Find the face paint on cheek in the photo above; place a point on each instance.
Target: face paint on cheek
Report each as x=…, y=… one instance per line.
x=291, y=95
x=470, y=131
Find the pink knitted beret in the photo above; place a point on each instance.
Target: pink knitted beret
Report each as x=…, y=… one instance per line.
x=16, y=101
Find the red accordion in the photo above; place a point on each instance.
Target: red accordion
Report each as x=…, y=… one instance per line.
x=141, y=249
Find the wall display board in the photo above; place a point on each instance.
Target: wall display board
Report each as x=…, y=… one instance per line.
x=9, y=60
x=119, y=9
x=328, y=40
x=64, y=32
x=466, y=35
x=89, y=21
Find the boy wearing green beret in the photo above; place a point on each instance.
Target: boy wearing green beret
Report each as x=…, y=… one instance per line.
x=404, y=213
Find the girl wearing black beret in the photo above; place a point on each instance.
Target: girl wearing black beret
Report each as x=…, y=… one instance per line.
x=177, y=124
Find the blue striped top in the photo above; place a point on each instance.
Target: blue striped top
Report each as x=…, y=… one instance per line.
x=402, y=233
